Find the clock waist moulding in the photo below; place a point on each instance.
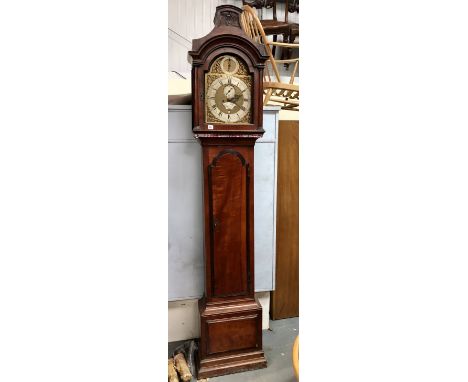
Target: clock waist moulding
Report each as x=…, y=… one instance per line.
x=227, y=99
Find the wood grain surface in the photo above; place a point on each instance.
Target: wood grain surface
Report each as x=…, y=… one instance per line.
x=227, y=179
x=285, y=297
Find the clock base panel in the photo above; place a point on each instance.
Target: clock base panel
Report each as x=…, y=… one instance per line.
x=231, y=338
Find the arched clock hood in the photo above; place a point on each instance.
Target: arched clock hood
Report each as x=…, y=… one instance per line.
x=227, y=37
x=227, y=31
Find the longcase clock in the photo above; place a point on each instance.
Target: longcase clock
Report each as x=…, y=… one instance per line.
x=227, y=91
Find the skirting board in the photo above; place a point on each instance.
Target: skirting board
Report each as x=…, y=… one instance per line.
x=184, y=321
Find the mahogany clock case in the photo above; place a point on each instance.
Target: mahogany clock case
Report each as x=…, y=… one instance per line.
x=230, y=316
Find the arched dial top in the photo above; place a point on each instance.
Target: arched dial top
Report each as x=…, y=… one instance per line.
x=228, y=91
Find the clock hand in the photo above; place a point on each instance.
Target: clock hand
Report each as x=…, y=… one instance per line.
x=236, y=97
x=233, y=102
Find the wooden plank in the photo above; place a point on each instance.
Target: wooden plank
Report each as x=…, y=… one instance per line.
x=285, y=297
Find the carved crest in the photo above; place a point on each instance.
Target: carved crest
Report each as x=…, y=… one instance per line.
x=227, y=15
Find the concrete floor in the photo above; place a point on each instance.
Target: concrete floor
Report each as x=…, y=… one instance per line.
x=277, y=345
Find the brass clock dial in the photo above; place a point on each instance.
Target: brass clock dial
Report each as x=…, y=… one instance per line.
x=228, y=92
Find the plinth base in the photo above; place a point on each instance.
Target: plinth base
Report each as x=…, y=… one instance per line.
x=231, y=338
x=215, y=366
